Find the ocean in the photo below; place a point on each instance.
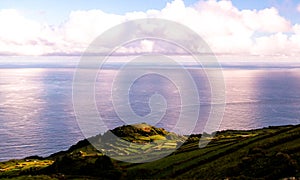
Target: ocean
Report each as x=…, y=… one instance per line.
x=37, y=114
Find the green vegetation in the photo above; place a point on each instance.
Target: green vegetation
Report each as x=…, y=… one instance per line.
x=268, y=153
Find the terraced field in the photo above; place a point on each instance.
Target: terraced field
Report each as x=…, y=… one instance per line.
x=269, y=153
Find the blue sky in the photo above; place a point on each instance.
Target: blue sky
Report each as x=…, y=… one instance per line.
x=55, y=12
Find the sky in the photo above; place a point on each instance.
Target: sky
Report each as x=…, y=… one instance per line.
x=239, y=27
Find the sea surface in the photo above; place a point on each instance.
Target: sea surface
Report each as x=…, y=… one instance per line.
x=37, y=115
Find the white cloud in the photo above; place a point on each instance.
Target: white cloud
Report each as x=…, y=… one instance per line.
x=84, y=26
x=18, y=34
x=276, y=44
x=225, y=28
x=266, y=20
x=298, y=8
x=147, y=45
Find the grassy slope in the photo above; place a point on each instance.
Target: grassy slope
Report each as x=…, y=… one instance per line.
x=264, y=153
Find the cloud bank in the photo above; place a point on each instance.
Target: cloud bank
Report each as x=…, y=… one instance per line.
x=224, y=27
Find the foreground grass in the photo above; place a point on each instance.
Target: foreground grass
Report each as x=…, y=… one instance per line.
x=268, y=153
x=17, y=167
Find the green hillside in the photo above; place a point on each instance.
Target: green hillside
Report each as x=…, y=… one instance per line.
x=268, y=153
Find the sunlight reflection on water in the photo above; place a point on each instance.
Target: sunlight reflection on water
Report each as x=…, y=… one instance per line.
x=37, y=117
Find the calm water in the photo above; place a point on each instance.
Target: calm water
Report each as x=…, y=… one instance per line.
x=37, y=116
